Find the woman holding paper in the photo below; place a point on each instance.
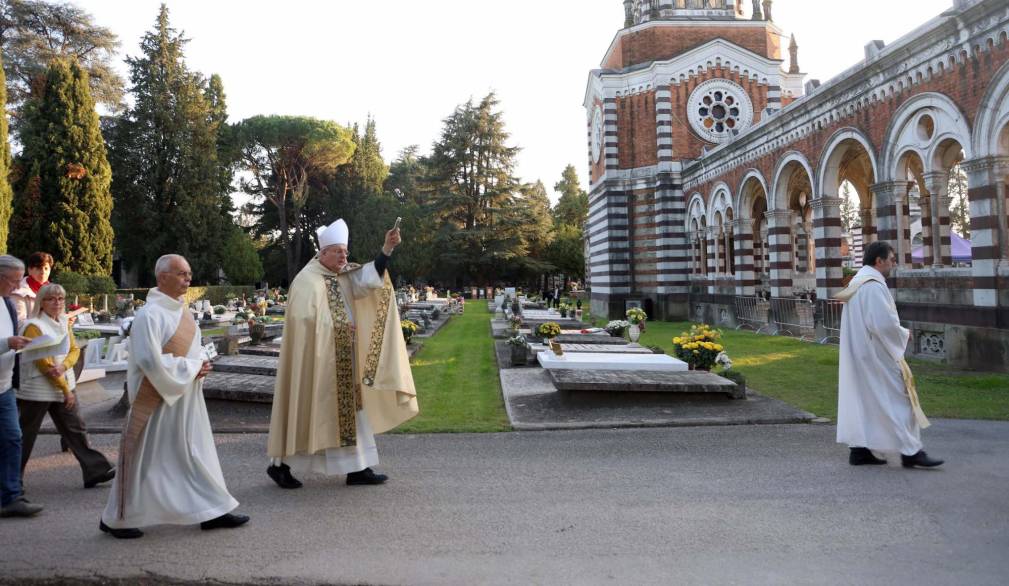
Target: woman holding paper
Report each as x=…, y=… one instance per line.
x=47, y=386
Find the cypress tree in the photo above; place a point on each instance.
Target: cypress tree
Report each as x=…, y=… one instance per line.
x=6, y=195
x=69, y=177
x=171, y=186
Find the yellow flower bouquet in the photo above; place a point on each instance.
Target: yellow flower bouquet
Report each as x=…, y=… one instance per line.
x=549, y=330
x=699, y=347
x=409, y=329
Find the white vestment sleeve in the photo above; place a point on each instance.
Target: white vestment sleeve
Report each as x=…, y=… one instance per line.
x=363, y=280
x=172, y=376
x=882, y=320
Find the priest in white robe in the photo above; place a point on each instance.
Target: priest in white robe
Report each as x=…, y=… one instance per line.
x=169, y=473
x=877, y=403
x=344, y=373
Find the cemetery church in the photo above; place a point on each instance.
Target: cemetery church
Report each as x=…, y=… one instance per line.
x=717, y=171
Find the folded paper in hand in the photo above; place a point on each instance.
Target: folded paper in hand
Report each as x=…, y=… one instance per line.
x=43, y=346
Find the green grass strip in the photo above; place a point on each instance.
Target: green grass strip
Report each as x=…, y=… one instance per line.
x=805, y=375
x=457, y=378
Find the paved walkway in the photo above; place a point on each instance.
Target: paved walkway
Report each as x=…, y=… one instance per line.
x=709, y=505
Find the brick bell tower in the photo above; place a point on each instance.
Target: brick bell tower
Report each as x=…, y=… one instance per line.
x=681, y=78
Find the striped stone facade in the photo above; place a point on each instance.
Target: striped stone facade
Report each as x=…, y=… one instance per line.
x=722, y=169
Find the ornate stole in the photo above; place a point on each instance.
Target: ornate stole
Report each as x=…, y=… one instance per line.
x=145, y=403
x=348, y=391
x=378, y=335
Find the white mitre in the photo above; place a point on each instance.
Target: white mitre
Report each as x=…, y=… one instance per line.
x=335, y=233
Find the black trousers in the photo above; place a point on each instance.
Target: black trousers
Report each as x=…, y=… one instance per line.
x=69, y=424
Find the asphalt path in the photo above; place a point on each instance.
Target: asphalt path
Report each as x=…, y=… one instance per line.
x=710, y=505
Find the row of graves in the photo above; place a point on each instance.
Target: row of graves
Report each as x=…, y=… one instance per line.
x=248, y=373
x=103, y=336
x=584, y=360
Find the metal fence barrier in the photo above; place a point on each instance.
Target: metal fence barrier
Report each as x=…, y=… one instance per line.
x=831, y=320
x=795, y=317
x=752, y=312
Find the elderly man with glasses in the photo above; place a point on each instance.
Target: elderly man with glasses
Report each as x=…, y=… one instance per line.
x=12, y=500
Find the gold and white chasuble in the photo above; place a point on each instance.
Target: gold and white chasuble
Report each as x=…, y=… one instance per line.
x=344, y=373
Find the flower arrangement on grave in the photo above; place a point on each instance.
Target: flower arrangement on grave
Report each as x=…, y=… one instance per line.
x=563, y=308
x=617, y=327
x=515, y=322
x=518, y=345
x=549, y=330
x=220, y=310
x=699, y=347
x=636, y=316
x=518, y=340
x=409, y=329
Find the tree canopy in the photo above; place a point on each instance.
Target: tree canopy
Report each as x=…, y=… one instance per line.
x=284, y=155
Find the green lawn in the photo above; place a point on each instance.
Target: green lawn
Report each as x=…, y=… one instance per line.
x=805, y=375
x=457, y=380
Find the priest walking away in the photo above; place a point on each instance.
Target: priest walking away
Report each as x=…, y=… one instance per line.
x=344, y=374
x=877, y=403
x=168, y=472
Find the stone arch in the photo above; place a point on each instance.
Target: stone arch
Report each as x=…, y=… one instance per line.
x=719, y=222
x=697, y=233
x=790, y=230
x=751, y=237
x=990, y=138
x=783, y=171
x=848, y=158
x=832, y=158
x=921, y=122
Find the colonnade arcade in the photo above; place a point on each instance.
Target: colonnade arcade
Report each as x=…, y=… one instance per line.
x=780, y=234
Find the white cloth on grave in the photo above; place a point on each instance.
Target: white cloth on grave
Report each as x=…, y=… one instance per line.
x=178, y=478
x=337, y=461
x=873, y=407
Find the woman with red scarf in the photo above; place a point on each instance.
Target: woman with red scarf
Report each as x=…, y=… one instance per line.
x=40, y=264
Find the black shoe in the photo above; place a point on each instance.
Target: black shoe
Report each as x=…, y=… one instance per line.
x=920, y=460
x=225, y=521
x=120, y=533
x=366, y=476
x=109, y=475
x=282, y=476
x=20, y=507
x=864, y=457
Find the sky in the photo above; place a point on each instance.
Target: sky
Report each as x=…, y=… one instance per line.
x=409, y=63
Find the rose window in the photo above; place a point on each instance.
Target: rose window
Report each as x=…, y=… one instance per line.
x=719, y=110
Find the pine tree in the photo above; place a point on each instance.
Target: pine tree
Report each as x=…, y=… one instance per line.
x=472, y=183
x=573, y=206
x=172, y=168
x=6, y=195
x=70, y=177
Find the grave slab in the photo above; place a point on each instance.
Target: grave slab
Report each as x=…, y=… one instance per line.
x=590, y=339
x=598, y=348
x=260, y=350
x=248, y=364
x=251, y=388
x=620, y=381
x=533, y=404
x=617, y=362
